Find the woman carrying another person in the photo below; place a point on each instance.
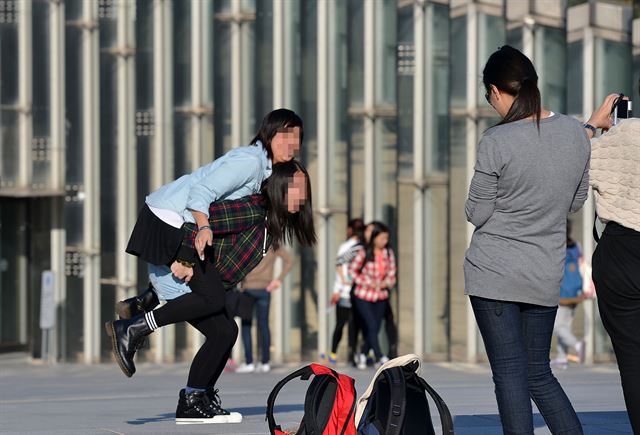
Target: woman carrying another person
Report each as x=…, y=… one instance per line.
x=531, y=172
x=157, y=239
x=615, y=178
x=373, y=271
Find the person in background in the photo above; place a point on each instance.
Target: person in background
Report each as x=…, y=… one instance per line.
x=390, y=327
x=342, y=288
x=615, y=178
x=570, y=296
x=531, y=171
x=374, y=275
x=259, y=284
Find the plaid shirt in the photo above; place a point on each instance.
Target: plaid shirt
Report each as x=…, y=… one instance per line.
x=238, y=228
x=366, y=277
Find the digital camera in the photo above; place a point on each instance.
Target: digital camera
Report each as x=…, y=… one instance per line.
x=621, y=110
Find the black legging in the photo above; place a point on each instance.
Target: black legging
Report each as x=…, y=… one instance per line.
x=343, y=316
x=204, y=308
x=616, y=275
x=391, y=330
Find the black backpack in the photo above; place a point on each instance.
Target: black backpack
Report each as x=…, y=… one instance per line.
x=398, y=404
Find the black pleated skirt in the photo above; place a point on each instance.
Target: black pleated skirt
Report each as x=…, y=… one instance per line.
x=153, y=240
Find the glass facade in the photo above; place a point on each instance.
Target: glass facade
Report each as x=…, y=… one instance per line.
x=390, y=92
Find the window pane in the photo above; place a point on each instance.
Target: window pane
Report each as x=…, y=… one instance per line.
x=222, y=91
x=613, y=69
x=264, y=60
x=440, y=103
x=355, y=16
x=551, y=55
x=183, y=141
x=459, y=62
x=13, y=256
x=9, y=136
x=385, y=32
x=108, y=141
x=575, y=78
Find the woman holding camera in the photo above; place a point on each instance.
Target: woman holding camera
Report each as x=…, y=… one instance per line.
x=531, y=172
x=615, y=178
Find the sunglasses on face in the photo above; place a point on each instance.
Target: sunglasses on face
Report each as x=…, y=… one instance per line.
x=487, y=96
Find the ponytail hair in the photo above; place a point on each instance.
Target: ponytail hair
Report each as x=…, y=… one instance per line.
x=512, y=72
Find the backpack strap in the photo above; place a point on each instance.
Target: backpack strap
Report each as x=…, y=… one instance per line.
x=311, y=423
x=443, y=410
x=304, y=373
x=398, y=401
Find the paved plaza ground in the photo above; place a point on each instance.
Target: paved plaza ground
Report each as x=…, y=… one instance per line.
x=71, y=399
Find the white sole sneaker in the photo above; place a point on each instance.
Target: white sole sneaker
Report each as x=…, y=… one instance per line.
x=234, y=417
x=214, y=420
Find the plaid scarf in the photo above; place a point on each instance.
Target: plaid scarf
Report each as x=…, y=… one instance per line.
x=238, y=228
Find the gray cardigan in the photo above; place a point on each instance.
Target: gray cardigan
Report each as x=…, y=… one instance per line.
x=525, y=184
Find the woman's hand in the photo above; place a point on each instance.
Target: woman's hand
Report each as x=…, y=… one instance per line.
x=204, y=238
x=181, y=271
x=274, y=285
x=335, y=298
x=601, y=118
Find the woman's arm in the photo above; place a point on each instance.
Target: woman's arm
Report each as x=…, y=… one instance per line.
x=391, y=273
x=287, y=262
x=232, y=174
x=482, y=198
x=601, y=118
x=483, y=190
x=583, y=191
x=229, y=176
x=355, y=269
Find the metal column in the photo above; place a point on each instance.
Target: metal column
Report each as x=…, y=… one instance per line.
x=422, y=145
x=25, y=92
x=126, y=273
x=588, y=210
x=472, y=140
x=91, y=169
x=58, y=146
x=327, y=83
x=202, y=148
x=371, y=176
x=237, y=86
x=284, y=95
x=162, y=164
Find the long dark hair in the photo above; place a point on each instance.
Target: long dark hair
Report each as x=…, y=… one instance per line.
x=273, y=122
x=356, y=225
x=281, y=224
x=378, y=228
x=512, y=72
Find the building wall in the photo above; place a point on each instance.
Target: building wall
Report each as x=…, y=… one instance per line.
x=102, y=102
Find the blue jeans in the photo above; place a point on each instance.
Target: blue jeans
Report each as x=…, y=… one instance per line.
x=371, y=314
x=262, y=303
x=517, y=337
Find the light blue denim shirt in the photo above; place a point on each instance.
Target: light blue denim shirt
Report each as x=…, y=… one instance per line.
x=239, y=172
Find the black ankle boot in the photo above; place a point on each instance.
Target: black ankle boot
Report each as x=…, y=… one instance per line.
x=137, y=305
x=126, y=336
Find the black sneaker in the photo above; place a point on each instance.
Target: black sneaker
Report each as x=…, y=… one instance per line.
x=195, y=408
x=217, y=409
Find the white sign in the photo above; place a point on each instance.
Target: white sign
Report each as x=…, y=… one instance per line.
x=48, y=300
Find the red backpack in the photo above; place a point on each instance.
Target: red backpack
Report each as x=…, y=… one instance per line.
x=329, y=405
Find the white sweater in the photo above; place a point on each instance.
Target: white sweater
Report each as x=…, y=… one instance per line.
x=615, y=174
